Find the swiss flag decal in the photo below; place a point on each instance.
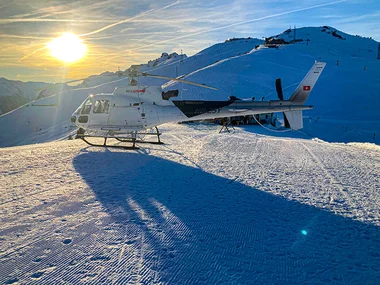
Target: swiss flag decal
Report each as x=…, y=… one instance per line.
x=306, y=88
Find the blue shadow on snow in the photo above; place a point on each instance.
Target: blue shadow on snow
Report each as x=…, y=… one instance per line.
x=205, y=229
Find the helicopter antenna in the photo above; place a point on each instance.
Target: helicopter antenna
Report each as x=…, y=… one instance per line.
x=133, y=72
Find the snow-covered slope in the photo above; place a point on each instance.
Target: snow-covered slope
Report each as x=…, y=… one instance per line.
x=16, y=93
x=206, y=57
x=205, y=208
x=346, y=97
x=29, y=90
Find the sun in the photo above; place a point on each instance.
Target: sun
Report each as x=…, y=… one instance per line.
x=67, y=48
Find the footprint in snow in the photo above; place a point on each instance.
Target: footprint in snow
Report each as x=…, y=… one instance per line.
x=37, y=259
x=73, y=262
x=67, y=241
x=37, y=275
x=11, y=281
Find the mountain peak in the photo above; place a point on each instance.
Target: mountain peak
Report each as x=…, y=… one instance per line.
x=323, y=33
x=165, y=57
x=328, y=37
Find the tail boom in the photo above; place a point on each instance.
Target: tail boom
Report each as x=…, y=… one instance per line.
x=292, y=108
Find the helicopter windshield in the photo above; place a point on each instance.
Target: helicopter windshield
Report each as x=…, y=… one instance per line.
x=87, y=107
x=77, y=111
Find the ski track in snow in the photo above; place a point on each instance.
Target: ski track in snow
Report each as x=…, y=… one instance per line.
x=205, y=208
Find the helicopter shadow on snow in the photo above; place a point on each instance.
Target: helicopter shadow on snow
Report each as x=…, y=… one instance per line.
x=203, y=228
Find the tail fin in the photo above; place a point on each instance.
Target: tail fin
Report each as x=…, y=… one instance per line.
x=303, y=90
x=300, y=95
x=294, y=119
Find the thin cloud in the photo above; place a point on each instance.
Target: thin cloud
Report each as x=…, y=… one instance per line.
x=129, y=19
x=240, y=23
x=331, y=16
x=23, y=37
x=27, y=20
x=4, y=5
x=365, y=17
x=33, y=52
x=91, y=33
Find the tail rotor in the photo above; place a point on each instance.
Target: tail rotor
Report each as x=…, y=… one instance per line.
x=280, y=95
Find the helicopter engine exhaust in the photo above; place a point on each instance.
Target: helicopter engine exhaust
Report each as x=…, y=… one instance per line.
x=169, y=94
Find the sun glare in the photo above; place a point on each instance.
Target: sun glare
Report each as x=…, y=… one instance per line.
x=68, y=48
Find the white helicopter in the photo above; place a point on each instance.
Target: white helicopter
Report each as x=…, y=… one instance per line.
x=132, y=112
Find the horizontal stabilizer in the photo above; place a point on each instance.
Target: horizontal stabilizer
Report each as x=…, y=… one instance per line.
x=238, y=110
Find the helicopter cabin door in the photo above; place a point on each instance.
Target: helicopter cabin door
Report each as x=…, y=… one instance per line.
x=100, y=113
x=134, y=116
x=125, y=116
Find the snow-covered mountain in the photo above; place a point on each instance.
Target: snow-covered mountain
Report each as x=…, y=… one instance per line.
x=14, y=94
x=346, y=97
x=180, y=66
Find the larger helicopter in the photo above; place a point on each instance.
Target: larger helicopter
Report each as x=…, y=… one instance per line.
x=132, y=113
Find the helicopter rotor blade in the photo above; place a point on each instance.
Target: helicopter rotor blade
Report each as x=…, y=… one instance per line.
x=280, y=95
x=72, y=81
x=54, y=84
x=178, y=80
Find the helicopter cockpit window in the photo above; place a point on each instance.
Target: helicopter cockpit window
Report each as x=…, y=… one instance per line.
x=101, y=106
x=87, y=107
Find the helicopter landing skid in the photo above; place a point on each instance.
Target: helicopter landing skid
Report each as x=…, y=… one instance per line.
x=133, y=140
x=138, y=141
x=83, y=138
x=126, y=140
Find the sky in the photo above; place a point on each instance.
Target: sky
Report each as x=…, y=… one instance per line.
x=118, y=33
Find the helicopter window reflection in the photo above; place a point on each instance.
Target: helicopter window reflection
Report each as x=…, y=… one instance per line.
x=87, y=107
x=101, y=106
